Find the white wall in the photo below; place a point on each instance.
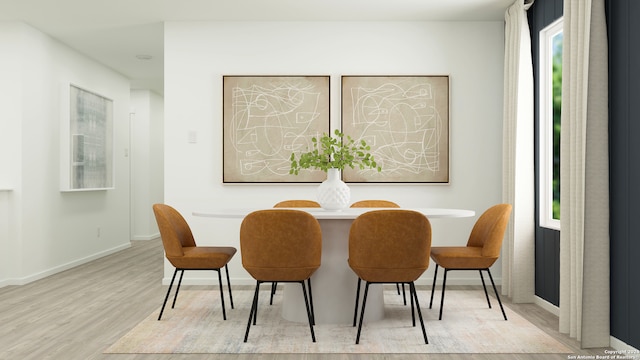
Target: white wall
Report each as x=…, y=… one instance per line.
x=10, y=154
x=147, y=167
x=49, y=230
x=198, y=54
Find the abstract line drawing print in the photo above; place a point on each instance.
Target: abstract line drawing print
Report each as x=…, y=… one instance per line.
x=266, y=119
x=405, y=120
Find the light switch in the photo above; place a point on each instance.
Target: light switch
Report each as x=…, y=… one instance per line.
x=192, y=137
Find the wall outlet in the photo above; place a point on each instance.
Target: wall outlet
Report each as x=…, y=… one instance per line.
x=98, y=232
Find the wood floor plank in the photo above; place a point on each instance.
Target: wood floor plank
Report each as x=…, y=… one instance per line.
x=78, y=313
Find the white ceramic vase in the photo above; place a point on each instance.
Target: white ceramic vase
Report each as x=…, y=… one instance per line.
x=333, y=193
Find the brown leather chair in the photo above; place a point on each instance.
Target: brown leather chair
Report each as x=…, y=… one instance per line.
x=280, y=245
x=482, y=250
x=381, y=204
x=297, y=204
x=374, y=204
x=292, y=204
x=389, y=246
x=182, y=252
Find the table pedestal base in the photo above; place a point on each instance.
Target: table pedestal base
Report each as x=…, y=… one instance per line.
x=333, y=284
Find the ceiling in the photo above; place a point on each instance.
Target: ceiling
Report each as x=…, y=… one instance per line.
x=116, y=32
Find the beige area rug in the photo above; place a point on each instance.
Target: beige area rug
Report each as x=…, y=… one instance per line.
x=468, y=326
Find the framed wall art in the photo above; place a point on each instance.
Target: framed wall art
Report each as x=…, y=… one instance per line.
x=405, y=120
x=88, y=141
x=265, y=120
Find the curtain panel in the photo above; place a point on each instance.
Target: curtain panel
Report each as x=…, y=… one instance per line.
x=518, y=251
x=584, y=176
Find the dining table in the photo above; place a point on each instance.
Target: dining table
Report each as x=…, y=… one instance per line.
x=334, y=283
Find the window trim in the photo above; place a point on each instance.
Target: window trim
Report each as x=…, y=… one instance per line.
x=547, y=34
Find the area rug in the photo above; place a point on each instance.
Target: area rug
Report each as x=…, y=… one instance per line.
x=468, y=326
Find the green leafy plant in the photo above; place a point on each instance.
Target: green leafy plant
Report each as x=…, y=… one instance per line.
x=334, y=152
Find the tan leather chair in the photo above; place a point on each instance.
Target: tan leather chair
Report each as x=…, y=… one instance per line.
x=182, y=252
x=482, y=250
x=280, y=245
x=292, y=204
x=389, y=246
x=381, y=204
x=297, y=204
x=374, y=204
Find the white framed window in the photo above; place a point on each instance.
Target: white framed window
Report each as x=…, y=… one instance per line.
x=550, y=106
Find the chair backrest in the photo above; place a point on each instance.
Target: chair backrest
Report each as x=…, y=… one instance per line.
x=374, y=203
x=174, y=230
x=488, y=231
x=296, y=203
x=280, y=244
x=390, y=245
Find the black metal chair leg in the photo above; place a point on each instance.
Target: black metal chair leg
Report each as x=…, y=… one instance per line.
x=255, y=313
x=497, y=296
x=412, y=289
x=306, y=303
x=226, y=268
x=444, y=282
x=486, y=294
x=167, y=296
x=404, y=295
x=364, y=303
x=254, y=307
x=273, y=291
x=413, y=315
x=313, y=313
x=175, y=297
x=224, y=312
x=433, y=287
x=355, y=312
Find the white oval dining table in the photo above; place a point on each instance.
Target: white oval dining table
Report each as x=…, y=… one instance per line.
x=334, y=283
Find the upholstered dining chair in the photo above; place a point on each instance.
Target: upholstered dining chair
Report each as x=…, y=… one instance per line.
x=182, y=252
x=389, y=247
x=374, y=204
x=381, y=204
x=294, y=203
x=481, y=251
x=280, y=245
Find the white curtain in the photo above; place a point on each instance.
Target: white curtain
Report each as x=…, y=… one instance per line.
x=584, y=176
x=518, y=251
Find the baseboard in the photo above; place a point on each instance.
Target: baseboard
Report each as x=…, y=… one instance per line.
x=544, y=304
x=146, y=237
x=622, y=349
x=63, y=267
x=213, y=280
x=459, y=281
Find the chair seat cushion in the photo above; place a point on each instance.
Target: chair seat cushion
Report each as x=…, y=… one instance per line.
x=461, y=257
x=203, y=257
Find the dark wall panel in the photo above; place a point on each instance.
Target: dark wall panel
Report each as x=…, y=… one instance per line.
x=541, y=14
x=624, y=174
x=624, y=133
x=619, y=170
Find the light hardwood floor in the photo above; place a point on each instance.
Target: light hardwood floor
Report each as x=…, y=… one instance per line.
x=78, y=313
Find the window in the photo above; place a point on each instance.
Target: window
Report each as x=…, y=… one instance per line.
x=550, y=110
